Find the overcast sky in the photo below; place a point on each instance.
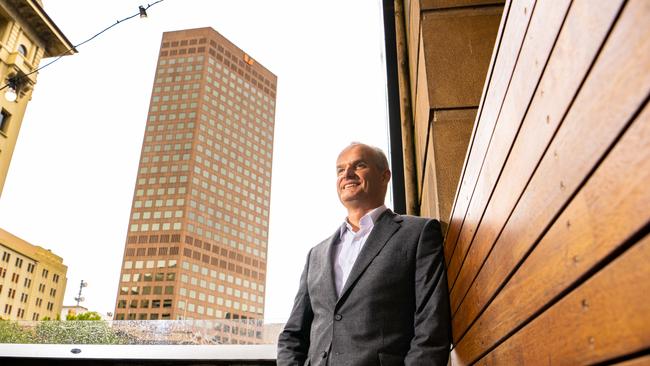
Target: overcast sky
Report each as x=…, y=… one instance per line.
x=71, y=179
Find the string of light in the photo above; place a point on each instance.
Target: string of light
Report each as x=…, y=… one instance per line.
x=14, y=81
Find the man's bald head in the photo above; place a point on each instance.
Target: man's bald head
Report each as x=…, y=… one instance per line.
x=377, y=154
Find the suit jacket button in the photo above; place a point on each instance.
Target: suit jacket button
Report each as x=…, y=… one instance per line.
x=338, y=317
x=324, y=354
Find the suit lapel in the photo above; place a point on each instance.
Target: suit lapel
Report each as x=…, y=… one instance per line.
x=329, y=268
x=384, y=228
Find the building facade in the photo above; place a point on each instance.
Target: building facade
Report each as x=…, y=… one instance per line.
x=32, y=280
x=27, y=35
x=197, y=238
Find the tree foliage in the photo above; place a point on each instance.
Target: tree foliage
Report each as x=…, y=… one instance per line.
x=11, y=332
x=85, y=329
x=76, y=332
x=89, y=315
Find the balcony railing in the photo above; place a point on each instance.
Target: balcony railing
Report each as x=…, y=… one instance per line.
x=159, y=342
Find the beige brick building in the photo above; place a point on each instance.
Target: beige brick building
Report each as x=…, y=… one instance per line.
x=32, y=280
x=197, y=239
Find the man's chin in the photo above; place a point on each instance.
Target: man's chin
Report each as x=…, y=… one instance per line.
x=347, y=196
x=351, y=200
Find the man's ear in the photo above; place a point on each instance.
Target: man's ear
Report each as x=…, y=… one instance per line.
x=386, y=176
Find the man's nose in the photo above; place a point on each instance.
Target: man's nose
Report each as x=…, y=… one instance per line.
x=350, y=172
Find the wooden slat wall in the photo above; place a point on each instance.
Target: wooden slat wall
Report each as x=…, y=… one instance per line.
x=548, y=249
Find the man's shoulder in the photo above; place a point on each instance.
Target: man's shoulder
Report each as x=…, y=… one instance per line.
x=414, y=220
x=325, y=242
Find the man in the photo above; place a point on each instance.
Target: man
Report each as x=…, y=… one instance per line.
x=375, y=292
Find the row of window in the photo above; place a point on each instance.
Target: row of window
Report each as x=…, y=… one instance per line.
x=20, y=313
x=133, y=316
x=209, y=311
x=236, y=255
x=146, y=290
x=6, y=257
x=209, y=235
x=148, y=276
x=220, y=288
x=222, y=264
x=171, y=180
x=164, y=238
x=162, y=136
x=170, y=263
x=24, y=297
x=155, y=227
x=160, y=251
x=222, y=276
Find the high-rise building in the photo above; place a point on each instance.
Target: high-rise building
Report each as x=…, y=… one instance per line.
x=32, y=280
x=197, y=239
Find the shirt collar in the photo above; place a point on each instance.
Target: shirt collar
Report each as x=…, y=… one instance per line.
x=367, y=221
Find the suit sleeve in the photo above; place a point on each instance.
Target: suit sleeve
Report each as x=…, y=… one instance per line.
x=432, y=319
x=293, y=342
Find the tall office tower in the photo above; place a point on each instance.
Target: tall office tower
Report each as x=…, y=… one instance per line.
x=197, y=238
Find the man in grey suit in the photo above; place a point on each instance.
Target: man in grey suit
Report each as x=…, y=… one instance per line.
x=375, y=292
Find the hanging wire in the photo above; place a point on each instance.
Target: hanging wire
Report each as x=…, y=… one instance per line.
x=15, y=79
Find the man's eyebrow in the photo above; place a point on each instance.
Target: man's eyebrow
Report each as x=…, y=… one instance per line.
x=352, y=163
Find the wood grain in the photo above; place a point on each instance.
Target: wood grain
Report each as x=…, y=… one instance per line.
x=518, y=16
x=546, y=22
x=566, y=69
x=604, y=214
x=616, y=87
x=639, y=361
x=604, y=318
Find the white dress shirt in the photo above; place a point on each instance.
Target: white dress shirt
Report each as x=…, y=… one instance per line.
x=350, y=243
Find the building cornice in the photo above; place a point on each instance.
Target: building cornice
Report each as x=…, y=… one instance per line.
x=32, y=12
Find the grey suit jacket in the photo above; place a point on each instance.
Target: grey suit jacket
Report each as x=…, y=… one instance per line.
x=393, y=309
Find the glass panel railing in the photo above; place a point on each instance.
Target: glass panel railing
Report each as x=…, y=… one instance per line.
x=141, y=332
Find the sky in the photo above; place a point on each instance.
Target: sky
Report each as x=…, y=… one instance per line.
x=71, y=180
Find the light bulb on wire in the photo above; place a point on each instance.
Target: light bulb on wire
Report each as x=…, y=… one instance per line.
x=11, y=94
x=12, y=89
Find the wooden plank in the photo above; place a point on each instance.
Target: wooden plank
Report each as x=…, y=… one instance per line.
x=413, y=42
x=612, y=206
x=604, y=318
x=517, y=21
x=639, y=361
x=546, y=22
x=430, y=204
x=446, y=4
x=421, y=119
x=616, y=87
x=566, y=69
